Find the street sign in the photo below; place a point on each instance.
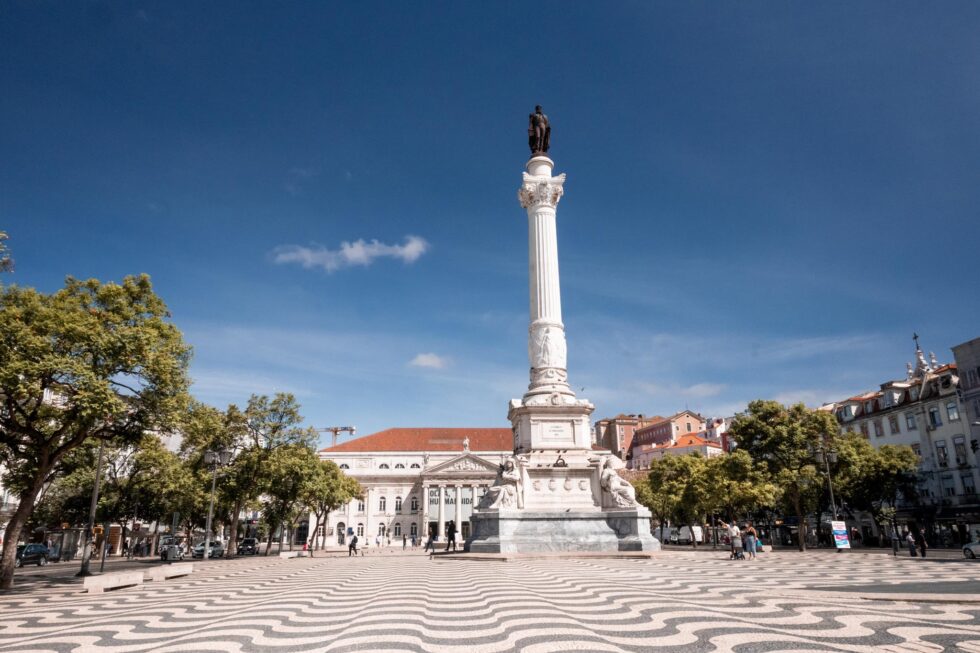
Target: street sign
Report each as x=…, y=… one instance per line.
x=840, y=535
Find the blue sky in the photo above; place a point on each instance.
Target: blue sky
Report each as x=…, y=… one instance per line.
x=763, y=199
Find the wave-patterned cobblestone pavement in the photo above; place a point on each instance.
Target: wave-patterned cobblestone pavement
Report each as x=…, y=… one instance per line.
x=676, y=602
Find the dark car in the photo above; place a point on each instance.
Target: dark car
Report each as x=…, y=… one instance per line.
x=249, y=546
x=32, y=554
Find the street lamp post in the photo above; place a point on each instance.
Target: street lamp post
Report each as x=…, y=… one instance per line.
x=90, y=530
x=215, y=459
x=826, y=455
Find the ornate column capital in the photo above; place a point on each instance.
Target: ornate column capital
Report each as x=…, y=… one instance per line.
x=541, y=191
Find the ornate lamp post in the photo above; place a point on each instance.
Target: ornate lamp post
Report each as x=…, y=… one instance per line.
x=215, y=459
x=825, y=454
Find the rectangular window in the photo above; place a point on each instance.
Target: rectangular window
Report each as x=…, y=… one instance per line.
x=959, y=449
x=864, y=429
x=916, y=450
x=952, y=411
x=976, y=408
x=968, y=486
x=893, y=424
x=942, y=455
x=879, y=431
x=949, y=487
x=934, y=419
x=910, y=421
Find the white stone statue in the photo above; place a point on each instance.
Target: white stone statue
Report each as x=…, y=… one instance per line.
x=622, y=493
x=933, y=361
x=466, y=443
x=507, y=490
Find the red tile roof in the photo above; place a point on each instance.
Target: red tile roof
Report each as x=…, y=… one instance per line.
x=426, y=439
x=694, y=441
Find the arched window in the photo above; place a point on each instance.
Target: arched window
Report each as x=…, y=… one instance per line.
x=344, y=466
x=416, y=466
x=399, y=466
x=398, y=529
x=381, y=530
x=360, y=530
x=414, y=530
x=415, y=504
x=360, y=505
x=398, y=504
x=382, y=504
x=383, y=466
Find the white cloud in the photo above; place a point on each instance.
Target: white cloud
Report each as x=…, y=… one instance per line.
x=359, y=252
x=430, y=360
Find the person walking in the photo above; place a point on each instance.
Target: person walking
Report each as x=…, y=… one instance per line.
x=922, y=542
x=352, y=547
x=429, y=545
x=451, y=536
x=734, y=539
x=910, y=542
x=750, y=540
x=404, y=542
x=895, y=542
x=309, y=547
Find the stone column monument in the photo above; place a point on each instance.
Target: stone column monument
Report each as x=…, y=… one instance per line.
x=555, y=493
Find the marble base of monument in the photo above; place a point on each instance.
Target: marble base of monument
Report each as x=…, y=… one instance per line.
x=523, y=531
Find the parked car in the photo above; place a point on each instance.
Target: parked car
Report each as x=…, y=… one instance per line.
x=249, y=546
x=32, y=553
x=971, y=550
x=217, y=550
x=171, y=548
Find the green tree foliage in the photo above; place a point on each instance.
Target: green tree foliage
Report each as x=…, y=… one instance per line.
x=6, y=263
x=290, y=470
x=678, y=490
x=782, y=438
x=737, y=485
x=91, y=360
x=327, y=489
x=266, y=425
x=874, y=479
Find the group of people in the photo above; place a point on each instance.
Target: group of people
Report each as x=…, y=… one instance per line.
x=916, y=543
x=743, y=542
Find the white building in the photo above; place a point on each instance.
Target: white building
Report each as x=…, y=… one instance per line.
x=685, y=444
x=415, y=480
x=967, y=356
x=923, y=411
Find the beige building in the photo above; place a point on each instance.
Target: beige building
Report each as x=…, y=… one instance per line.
x=924, y=411
x=662, y=433
x=616, y=433
x=415, y=480
x=685, y=444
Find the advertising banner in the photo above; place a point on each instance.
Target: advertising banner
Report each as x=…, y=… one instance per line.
x=840, y=535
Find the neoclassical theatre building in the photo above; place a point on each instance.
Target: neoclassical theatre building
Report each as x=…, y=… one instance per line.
x=415, y=480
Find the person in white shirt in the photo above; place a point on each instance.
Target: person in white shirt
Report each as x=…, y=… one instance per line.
x=735, y=536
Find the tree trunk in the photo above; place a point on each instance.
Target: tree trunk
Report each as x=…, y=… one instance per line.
x=801, y=528
x=312, y=534
x=694, y=540
x=233, y=538
x=268, y=544
x=12, y=533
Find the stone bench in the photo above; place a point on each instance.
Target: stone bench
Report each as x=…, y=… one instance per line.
x=293, y=554
x=103, y=582
x=163, y=572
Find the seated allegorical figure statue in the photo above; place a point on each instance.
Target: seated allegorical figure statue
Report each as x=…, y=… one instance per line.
x=622, y=492
x=507, y=490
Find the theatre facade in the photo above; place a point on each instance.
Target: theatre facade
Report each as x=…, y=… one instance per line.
x=416, y=481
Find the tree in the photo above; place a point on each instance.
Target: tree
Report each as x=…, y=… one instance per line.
x=265, y=426
x=327, y=489
x=90, y=361
x=678, y=492
x=290, y=471
x=782, y=439
x=873, y=479
x=6, y=263
x=738, y=485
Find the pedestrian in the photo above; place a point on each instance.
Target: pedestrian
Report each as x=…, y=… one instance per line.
x=451, y=536
x=894, y=542
x=910, y=541
x=309, y=547
x=429, y=544
x=404, y=542
x=922, y=542
x=734, y=539
x=377, y=541
x=750, y=540
x=352, y=547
